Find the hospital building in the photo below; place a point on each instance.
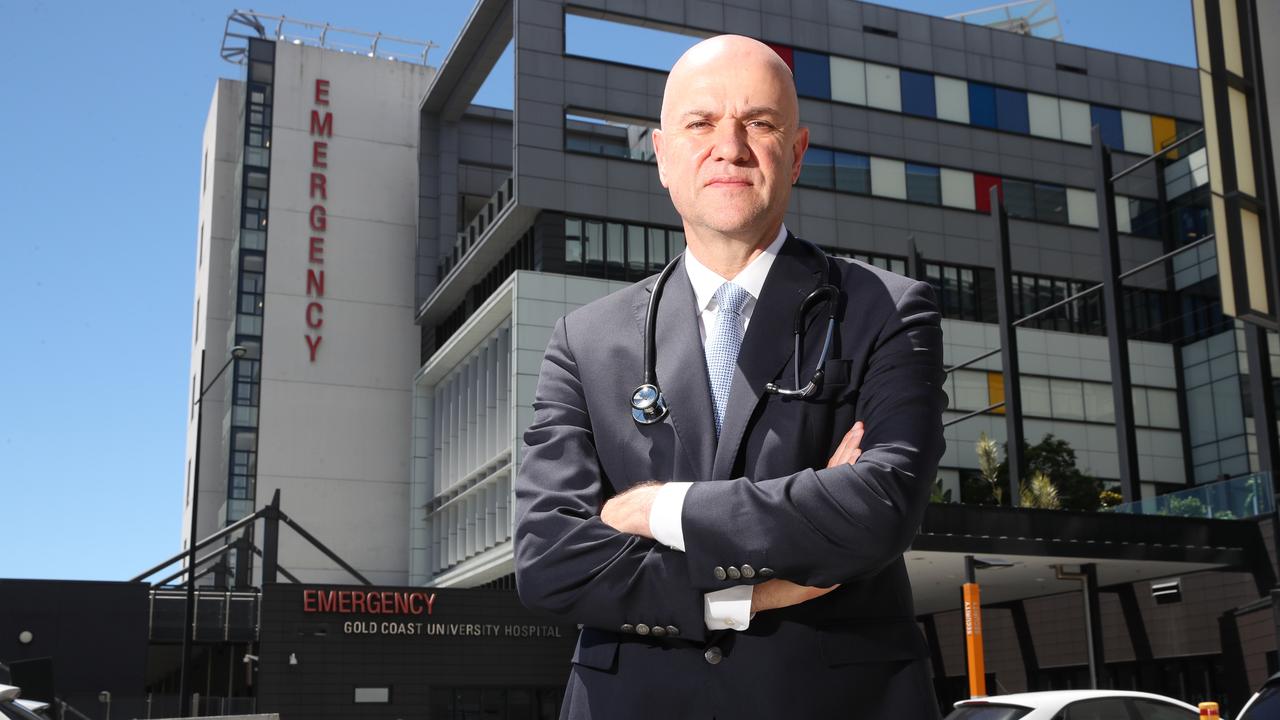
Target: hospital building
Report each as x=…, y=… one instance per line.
x=392, y=257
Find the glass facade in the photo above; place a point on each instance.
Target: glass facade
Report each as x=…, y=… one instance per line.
x=250, y=260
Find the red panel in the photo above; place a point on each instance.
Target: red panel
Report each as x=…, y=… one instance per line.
x=784, y=52
x=982, y=185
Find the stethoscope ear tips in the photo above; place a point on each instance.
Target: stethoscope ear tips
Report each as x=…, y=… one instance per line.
x=648, y=405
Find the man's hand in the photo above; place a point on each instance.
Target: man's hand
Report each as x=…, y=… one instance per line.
x=629, y=512
x=848, y=452
x=779, y=593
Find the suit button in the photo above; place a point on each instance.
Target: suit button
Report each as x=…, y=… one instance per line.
x=673, y=630
x=748, y=572
x=642, y=629
x=713, y=655
x=766, y=572
x=733, y=573
x=658, y=631
x=628, y=628
x=719, y=573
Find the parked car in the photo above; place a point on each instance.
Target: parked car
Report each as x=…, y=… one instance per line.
x=13, y=708
x=1074, y=705
x=1265, y=704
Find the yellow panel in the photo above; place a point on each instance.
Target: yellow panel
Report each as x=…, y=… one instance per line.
x=1202, y=33
x=1231, y=37
x=1225, y=279
x=995, y=390
x=1211, y=133
x=1164, y=132
x=1255, y=265
x=1242, y=142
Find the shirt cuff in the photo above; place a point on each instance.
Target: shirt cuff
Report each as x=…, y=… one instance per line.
x=665, y=522
x=728, y=609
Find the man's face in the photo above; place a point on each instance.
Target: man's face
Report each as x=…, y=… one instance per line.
x=730, y=145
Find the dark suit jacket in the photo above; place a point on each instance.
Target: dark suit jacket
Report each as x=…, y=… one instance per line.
x=763, y=498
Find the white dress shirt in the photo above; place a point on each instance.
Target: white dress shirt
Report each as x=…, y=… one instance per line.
x=728, y=609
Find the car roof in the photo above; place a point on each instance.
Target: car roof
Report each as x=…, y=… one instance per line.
x=1033, y=699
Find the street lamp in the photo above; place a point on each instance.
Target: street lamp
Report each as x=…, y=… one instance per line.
x=188, y=630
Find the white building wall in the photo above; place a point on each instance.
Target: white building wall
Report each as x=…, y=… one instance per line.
x=473, y=400
x=332, y=431
x=215, y=234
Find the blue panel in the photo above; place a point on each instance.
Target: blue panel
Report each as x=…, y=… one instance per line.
x=813, y=75
x=1108, y=119
x=815, y=171
x=918, y=97
x=982, y=105
x=1011, y=111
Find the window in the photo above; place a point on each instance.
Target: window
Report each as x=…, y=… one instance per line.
x=816, y=171
x=657, y=249
x=372, y=695
x=1109, y=123
x=952, y=99
x=1156, y=710
x=884, y=89
x=982, y=185
x=1077, y=121
x=812, y=74
x=1051, y=203
x=1011, y=111
x=1019, y=199
x=957, y=188
x=963, y=293
x=1035, y=396
x=918, y=95
x=888, y=178
x=923, y=184
x=1067, y=398
x=1103, y=709
x=848, y=81
x=852, y=172
x=1044, y=116
x=635, y=249
x=1082, y=208
x=982, y=105
x=1136, y=129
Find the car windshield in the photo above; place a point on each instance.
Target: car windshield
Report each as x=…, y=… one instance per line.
x=1267, y=705
x=988, y=712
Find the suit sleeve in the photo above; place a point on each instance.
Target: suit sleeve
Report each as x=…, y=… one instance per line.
x=568, y=562
x=826, y=526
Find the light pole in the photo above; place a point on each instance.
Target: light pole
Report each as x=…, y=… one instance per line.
x=188, y=629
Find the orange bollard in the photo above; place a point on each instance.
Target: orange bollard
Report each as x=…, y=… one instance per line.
x=973, y=640
x=1209, y=710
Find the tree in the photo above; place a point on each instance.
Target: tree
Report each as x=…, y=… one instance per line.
x=1057, y=460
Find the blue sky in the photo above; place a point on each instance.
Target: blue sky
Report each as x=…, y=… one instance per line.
x=103, y=109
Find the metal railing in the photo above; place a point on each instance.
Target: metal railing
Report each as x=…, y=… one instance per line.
x=1238, y=498
x=244, y=24
x=475, y=230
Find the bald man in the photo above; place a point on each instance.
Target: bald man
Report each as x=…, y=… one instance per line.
x=742, y=556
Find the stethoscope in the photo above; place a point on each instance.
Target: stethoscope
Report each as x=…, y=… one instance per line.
x=649, y=405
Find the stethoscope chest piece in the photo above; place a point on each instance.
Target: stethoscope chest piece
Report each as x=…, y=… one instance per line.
x=648, y=405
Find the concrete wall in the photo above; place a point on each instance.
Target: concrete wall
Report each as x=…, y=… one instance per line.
x=221, y=146
x=332, y=431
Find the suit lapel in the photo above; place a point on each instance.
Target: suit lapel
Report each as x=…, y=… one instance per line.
x=682, y=370
x=768, y=344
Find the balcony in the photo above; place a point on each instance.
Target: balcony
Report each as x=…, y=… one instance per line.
x=1239, y=498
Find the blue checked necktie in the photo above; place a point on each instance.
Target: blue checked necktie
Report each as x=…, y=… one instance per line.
x=722, y=346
